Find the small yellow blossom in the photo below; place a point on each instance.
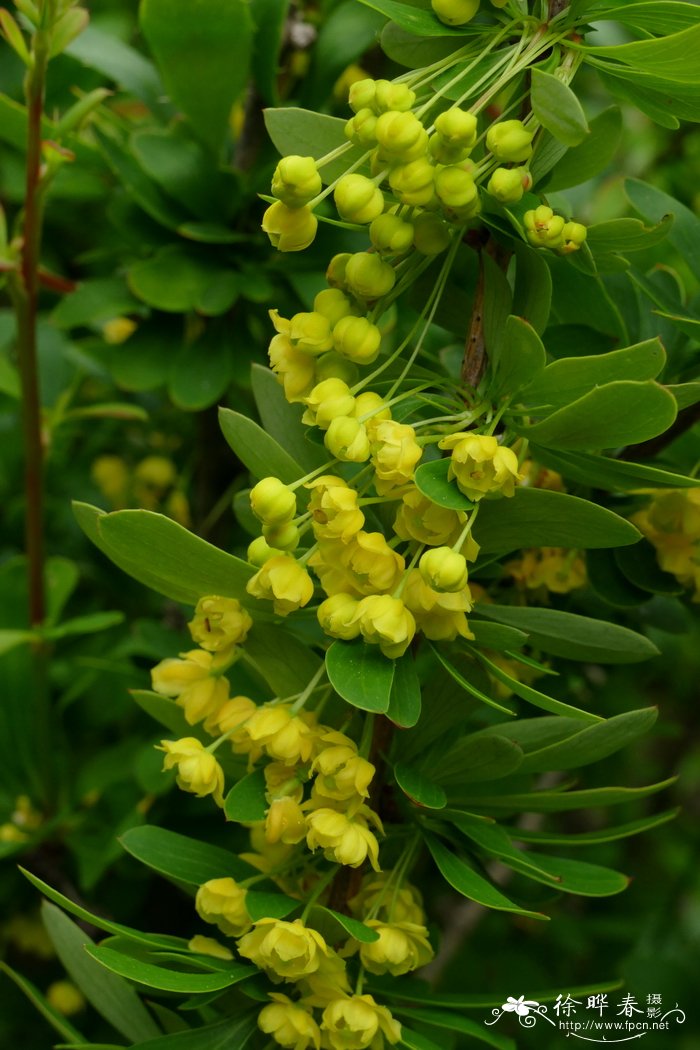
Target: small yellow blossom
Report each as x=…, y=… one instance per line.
x=386, y=622
x=284, y=949
x=344, y=839
x=401, y=948
x=358, y=1022
x=334, y=510
x=284, y=582
x=190, y=682
x=65, y=997
x=222, y=903
x=440, y=616
x=285, y=822
x=197, y=770
x=395, y=454
x=284, y=736
x=481, y=466
x=219, y=623
x=290, y=1024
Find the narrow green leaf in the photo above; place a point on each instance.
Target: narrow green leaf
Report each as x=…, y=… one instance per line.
x=405, y=700
x=182, y=858
x=469, y=883
x=575, y=637
x=496, y=635
x=417, y=991
x=10, y=639
x=224, y=1035
x=282, y=420
x=563, y=801
x=161, y=978
x=520, y=358
x=286, y=662
x=454, y=1022
x=590, y=838
x=113, y=998
x=361, y=674
x=468, y=686
x=246, y=803
x=613, y=475
x=416, y=1040
x=641, y=567
x=573, y=876
x=164, y=710
x=557, y=108
x=477, y=758
x=665, y=57
x=124, y=65
x=260, y=904
x=57, y=1021
x=335, y=926
x=532, y=297
x=652, y=203
x=626, y=235
x=534, y=696
x=422, y=791
x=259, y=452
x=591, y=744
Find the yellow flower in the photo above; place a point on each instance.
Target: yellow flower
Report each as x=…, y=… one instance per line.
x=328, y=982
x=334, y=510
x=418, y=518
x=197, y=771
x=290, y=1024
x=222, y=903
x=373, y=566
x=289, y=229
x=671, y=523
x=440, y=616
x=190, y=681
x=65, y=997
x=294, y=369
x=560, y=571
x=386, y=622
x=358, y=1022
x=328, y=399
x=284, y=949
x=380, y=897
x=230, y=718
x=219, y=623
x=336, y=615
x=443, y=569
x=283, y=736
x=285, y=822
x=117, y=330
x=344, y=839
x=401, y=948
x=481, y=466
x=273, y=502
x=111, y=475
x=284, y=582
x=395, y=453
x=208, y=946
x=340, y=772
x=284, y=781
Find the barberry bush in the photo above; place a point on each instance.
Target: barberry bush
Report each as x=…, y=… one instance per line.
x=469, y=502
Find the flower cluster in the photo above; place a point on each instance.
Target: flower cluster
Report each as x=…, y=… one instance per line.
x=671, y=523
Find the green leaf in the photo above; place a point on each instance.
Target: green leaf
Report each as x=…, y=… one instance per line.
x=259, y=452
x=620, y=413
x=573, y=876
x=10, y=639
x=286, y=663
x=532, y=297
x=653, y=204
x=261, y=905
x=534, y=696
x=413, y=51
x=57, y=1021
x=246, y=803
x=177, y=281
x=563, y=801
x=454, y=1022
x=91, y=623
x=519, y=358
x=431, y=480
x=416, y=1040
x=591, y=744
x=269, y=17
x=418, y=20
x=155, y=940
x=164, y=556
x=627, y=235
x=590, y=838
x=166, y=980
x=669, y=17
x=613, y=475
x=540, y=518
x=557, y=108
x=570, y=378
x=421, y=791
x=610, y=583
x=183, y=169
x=113, y=998
x=592, y=156
x=163, y=710
x=641, y=567
x=224, y=1035
x=124, y=65
x=182, y=858
x=405, y=700
x=203, y=51
x=666, y=57
x=496, y=636
x=478, y=758
x=417, y=991
x=498, y=303
x=310, y=134
x=361, y=674
x=468, y=686
x=202, y=371
x=574, y=637
x=281, y=420
x=469, y=883
x=334, y=926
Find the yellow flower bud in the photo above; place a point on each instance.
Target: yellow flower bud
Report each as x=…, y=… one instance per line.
x=371, y=409
x=380, y=897
x=510, y=140
x=221, y=902
x=197, y=770
x=391, y=96
x=360, y=128
x=413, y=183
x=574, y=234
x=335, y=274
x=208, y=946
x=431, y=235
x=293, y=368
x=285, y=822
x=418, y=518
x=289, y=229
x=441, y=153
x=65, y=997
x=284, y=582
x=358, y=339
x=385, y=621
x=273, y=502
x=361, y=94
x=507, y=185
x=333, y=304
x=443, y=569
x=155, y=472
x=481, y=466
x=439, y=615
x=390, y=235
x=311, y=333
x=395, y=453
x=334, y=510
x=283, y=735
x=543, y=228
x=296, y=181
x=346, y=439
x=356, y=1022
x=400, y=135
x=457, y=127
x=343, y=839
x=368, y=276
x=231, y=718
x=401, y=948
x=219, y=623
x=358, y=199
x=111, y=475
x=284, y=949
x=260, y=551
x=328, y=399
x=334, y=366
x=289, y=1024
x=117, y=330
x=341, y=773
x=190, y=681
x=336, y=615
x=374, y=567
x=456, y=189
x=281, y=537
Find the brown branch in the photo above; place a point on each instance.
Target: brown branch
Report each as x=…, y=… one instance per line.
x=475, y=350
x=685, y=419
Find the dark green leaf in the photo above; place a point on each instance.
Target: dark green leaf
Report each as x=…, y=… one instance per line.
x=563, y=801
x=281, y=420
x=557, y=108
x=575, y=637
x=182, y=858
x=405, y=701
x=431, y=479
x=263, y=905
x=40, y=1003
x=653, y=204
x=570, y=378
x=269, y=17
x=166, y=980
x=609, y=583
x=532, y=298
x=259, y=452
x=454, y=1022
x=613, y=475
x=421, y=790
x=176, y=281
x=246, y=802
x=224, y=1035
x=120, y=63
x=477, y=758
x=534, y=696
x=627, y=235
x=361, y=674
x=335, y=926
x=163, y=710
x=589, y=838
x=641, y=567
x=286, y=663
x=468, y=686
x=519, y=358
x=592, y=156
x=591, y=744
x=496, y=635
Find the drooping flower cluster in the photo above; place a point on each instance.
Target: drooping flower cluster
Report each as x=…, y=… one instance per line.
x=671, y=523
